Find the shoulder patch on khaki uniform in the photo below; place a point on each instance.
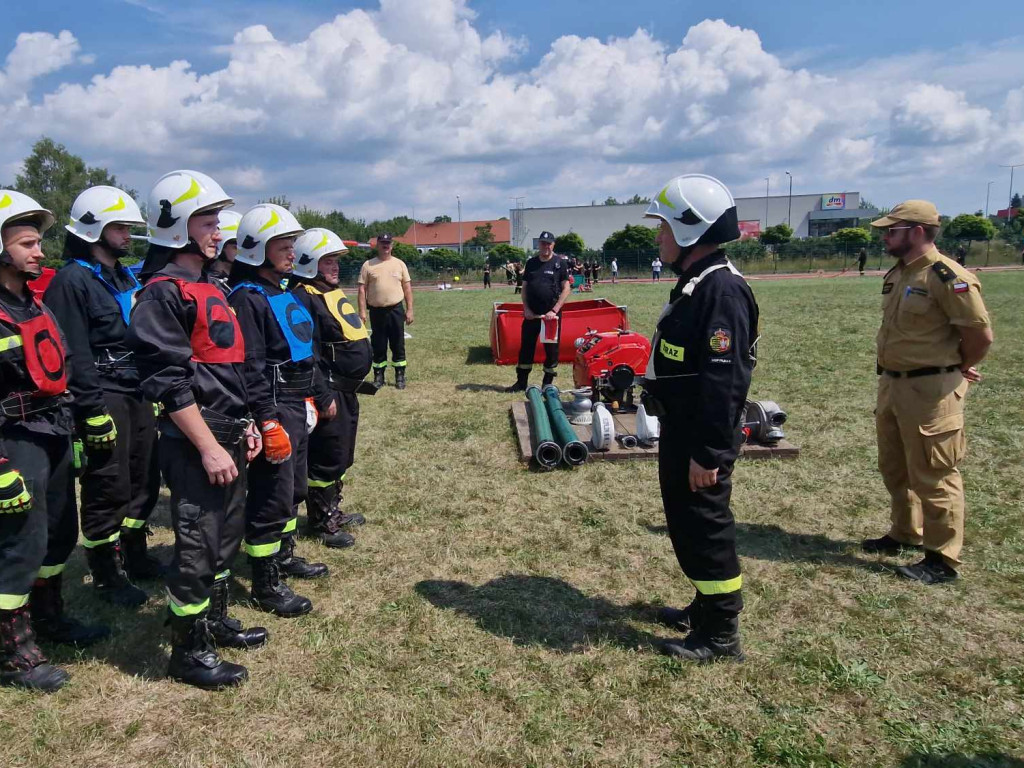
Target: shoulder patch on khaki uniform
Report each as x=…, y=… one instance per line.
x=945, y=273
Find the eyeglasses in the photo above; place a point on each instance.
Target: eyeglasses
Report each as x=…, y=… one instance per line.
x=893, y=229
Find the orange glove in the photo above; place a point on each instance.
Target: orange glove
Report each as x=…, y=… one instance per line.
x=277, y=447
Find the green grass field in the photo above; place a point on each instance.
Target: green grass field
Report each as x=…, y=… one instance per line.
x=492, y=616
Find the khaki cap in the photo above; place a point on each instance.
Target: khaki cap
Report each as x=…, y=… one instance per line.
x=914, y=211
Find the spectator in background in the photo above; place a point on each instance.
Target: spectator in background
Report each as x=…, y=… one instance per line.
x=862, y=259
x=615, y=267
x=487, y=274
x=656, y=269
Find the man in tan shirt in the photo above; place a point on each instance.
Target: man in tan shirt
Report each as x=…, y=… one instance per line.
x=383, y=284
x=935, y=330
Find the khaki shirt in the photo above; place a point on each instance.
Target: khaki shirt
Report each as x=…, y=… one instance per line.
x=922, y=305
x=384, y=281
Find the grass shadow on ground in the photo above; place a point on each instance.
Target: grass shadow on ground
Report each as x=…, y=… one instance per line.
x=771, y=542
x=479, y=388
x=542, y=611
x=986, y=760
x=479, y=355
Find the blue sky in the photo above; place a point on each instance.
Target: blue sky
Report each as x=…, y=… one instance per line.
x=564, y=102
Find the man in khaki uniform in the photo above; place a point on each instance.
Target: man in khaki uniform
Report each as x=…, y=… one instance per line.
x=383, y=284
x=935, y=330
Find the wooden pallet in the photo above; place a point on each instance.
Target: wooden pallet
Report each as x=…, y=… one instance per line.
x=625, y=423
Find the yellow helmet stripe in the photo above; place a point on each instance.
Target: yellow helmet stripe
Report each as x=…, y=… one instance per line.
x=663, y=198
x=192, y=192
x=118, y=206
x=274, y=219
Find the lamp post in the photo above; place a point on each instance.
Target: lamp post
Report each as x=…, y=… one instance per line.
x=458, y=200
x=988, y=191
x=789, y=216
x=767, y=186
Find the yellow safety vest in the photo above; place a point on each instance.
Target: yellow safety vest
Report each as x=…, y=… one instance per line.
x=341, y=309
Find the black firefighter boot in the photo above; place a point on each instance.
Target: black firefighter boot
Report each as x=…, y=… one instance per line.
x=193, y=658
x=378, y=377
x=228, y=632
x=272, y=595
x=681, y=619
x=400, y=377
x=325, y=520
x=347, y=518
x=549, y=377
x=108, y=577
x=717, y=638
x=294, y=566
x=138, y=563
x=53, y=625
x=22, y=664
x=522, y=377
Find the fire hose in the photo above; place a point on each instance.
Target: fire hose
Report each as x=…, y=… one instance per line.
x=574, y=451
x=546, y=452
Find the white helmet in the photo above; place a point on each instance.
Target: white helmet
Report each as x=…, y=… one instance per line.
x=98, y=206
x=312, y=246
x=175, y=198
x=698, y=208
x=15, y=207
x=260, y=224
x=228, y=221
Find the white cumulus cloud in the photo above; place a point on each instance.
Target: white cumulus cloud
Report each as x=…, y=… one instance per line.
x=410, y=103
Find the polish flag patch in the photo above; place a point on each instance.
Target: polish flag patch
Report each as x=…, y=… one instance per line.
x=961, y=287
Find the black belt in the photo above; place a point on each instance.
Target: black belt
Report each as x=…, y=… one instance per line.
x=225, y=430
x=916, y=372
x=292, y=381
x=21, y=405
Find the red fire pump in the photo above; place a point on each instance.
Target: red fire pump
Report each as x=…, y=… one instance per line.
x=609, y=362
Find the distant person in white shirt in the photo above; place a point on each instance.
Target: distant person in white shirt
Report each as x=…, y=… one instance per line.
x=615, y=269
x=656, y=269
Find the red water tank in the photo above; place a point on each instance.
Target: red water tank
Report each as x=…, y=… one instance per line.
x=578, y=317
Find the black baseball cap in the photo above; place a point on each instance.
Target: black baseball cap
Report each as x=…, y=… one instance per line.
x=546, y=237
x=384, y=237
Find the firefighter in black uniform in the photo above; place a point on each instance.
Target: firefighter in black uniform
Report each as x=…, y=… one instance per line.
x=38, y=528
x=218, y=271
x=345, y=357
x=281, y=373
x=190, y=355
x=91, y=296
x=546, y=286
x=696, y=382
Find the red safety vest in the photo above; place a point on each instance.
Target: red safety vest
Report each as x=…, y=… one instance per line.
x=216, y=335
x=44, y=353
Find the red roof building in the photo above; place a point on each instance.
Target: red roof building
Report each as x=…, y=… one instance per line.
x=445, y=234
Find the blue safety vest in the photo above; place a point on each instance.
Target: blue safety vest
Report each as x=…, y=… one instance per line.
x=292, y=318
x=124, y=298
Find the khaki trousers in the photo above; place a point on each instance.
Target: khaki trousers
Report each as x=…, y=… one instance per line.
x=920, y=427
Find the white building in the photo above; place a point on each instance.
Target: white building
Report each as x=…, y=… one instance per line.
x=809, y=216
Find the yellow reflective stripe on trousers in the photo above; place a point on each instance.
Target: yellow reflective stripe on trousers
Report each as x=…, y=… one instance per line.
x=187, y=609
x=671, y=351
x=718, y=587
x=10, y=342
x=379, y=365
x=291, y=525
x=12, y=602
x=222, y=575
x=399, y=364
x=131, y=522
x=342, y=478
x=88, y=544
x=49, y=571
x=261, y=550
x=319, y=483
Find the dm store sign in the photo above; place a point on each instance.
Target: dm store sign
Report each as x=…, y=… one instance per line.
x=833, y=202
